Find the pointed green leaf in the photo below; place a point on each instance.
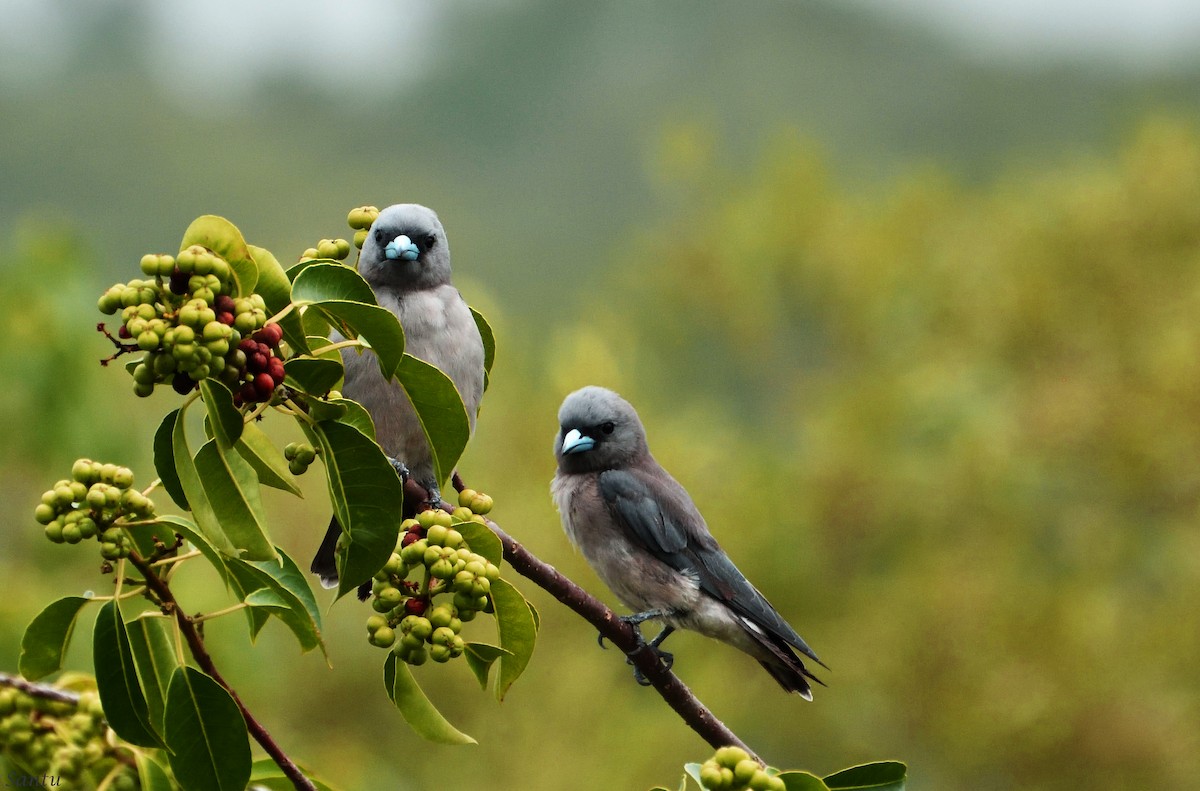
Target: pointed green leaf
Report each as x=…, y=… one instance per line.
x=518, y=633
x=206, y=735
x=223, y=238
x=283, y=590
x=346, y=300
x=489, y=345
x=223, y=417
x=164, y=460
x=313, y=375
x=367, y=496
x=231, y=486
x=802, y=781
x=196, y=496
x=268, y=462
x=878, y=776
x=151, y=775
x=276, y=291
x=482, y=540
x=415, y=707
x=189, y=531
x=350, y=412
x=693, y=770
x=266, y=774
x=440, y=408
x=117, y=679
x=46, y=638
x=152, y=638
x=480, y=657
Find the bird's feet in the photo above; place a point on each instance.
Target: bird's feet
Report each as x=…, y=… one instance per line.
x=666, y=658
x=400, y=469
x=635, y=620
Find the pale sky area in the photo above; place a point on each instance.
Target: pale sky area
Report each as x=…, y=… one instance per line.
x=326, y=41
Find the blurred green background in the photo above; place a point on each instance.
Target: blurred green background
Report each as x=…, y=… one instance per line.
x=913, y=318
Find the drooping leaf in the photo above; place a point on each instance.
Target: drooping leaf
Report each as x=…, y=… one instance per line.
x=196, y=497
x=367, y=496
x=151, y=775
x=313, y=375
x=276, y=291
x=518, y=633
x=878, y=776
x=46, y=638
x=281, y=589
x=480, y=657
x=421, y=715
x=223, y=417
x=439, y=406
x=482, y=540
x=121, y=694
x=231, y=486
x=268, y=462
x=164, y=460
x=206, y=735
x=223, y=238
x=152, y=638
x=489, y=345
x=343, y=410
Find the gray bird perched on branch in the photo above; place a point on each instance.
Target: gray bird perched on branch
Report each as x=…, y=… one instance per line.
x=641, y=532
x=406, y=260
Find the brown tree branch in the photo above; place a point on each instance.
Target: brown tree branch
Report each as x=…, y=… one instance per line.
x=33, y=689
x=191, y=634
x=624, y=636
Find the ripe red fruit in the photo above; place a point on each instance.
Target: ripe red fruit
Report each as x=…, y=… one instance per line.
x=257, y=363
x=224, y=304
x=275, y=370
x=123, y=332
x=248, y=393
x=415, y=606
x=411, y=537
x=248, y=346
x=264, y=385
x=271, y=335
x=226, y=318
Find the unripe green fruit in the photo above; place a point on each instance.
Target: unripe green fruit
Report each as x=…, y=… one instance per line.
x=123, y=477
x=220, y=269
x=453, y=539
x=96, y=496
x=390, y=595
x=206, y=295
x=461, y=514
x=215, y=331
x=149, y=265
x=383, y=637
x=442, y=635
x=204, y=264
x=186, y=260
x=440, y=616
x=54, y=532
x=744, y=770
x=436, y=536
x=327, y=248
x=44, y=514
x=464, y=602
x=143, y=389
x=394, y=565
x=87, y=527
x=244, y=323
x=375, y=623
x=343, y=248
x=481, y=504
x=360, y=238
x=81, y=471
x=417, y=656
x=305, y=454
x=759, y=781
x=442, y=569
x=142, y=374
x=710, y=776
x=71, y=534
x=290, y=449
x=296, y=468
x=414, y=553
x=482, y=586
x=218, y=348
x=440, y=653
x=730, y=756
x=464, y=582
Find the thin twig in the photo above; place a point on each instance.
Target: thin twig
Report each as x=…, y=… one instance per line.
x=44, y=691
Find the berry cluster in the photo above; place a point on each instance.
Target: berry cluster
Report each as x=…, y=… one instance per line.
x=409, y=621
x=89, y=505
x=337, y=249
x=192, y=325
x=60, y=740
x=360, y=220
x=732, y=769
x=299, y=455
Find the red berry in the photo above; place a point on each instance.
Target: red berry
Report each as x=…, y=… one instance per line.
x=275, y=370
x=247, y=393
x=226, y=318
x=248, y=346
x=264, y=385
x=123, y=332
x=224, y=304
x=271, y=335
x=411, y=537
x=257, y=363
x=415, y=606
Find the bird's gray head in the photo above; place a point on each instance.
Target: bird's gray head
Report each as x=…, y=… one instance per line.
x=598, y=430
x=405, y=249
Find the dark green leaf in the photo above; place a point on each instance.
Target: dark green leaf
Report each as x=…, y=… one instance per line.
x=480, y=657
x=207, y=737
x=415, y=707
x=231, y=486
x=283, y=590
x=164, y=460
x=223, y=417
x=197, y=499
x=440, y=408
x=316, y=328
x=313, y=375
x=489, y=345
x=366, y=494
x=482, y=540
x=151, y=775
x=879, y=776
x=260, y=453
x=47, y=637
x=117, y=679
x=223, y=238
x=518, y=633
x=802, y=781
x=276, y=291
x=152, y=638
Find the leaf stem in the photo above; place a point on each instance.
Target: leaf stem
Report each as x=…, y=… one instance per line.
x=339, y=345
x=288, y=309
x=176, y=559
x=218, y=613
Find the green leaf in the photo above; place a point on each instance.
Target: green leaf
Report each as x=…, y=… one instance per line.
x=223, y=238
x=480, y=657
x=196, y=498
x=152, y=638
x=206, y=735
x=879, y=776
x=343, y=297
x=314, y=375
x=231, y=487
x=151, y=775
x=440, y=408
x=489, y=345
x=266, y=774
x=164, y=460
x=693, y=770
x=415, y=707
x=802, y=781
x=224, y=418
x=518, y=633
x=117, y=679
x=282, y=589
x=268, y=462
x=367, y=496
x=482, y=540
x=350, y=412
x=276, y=291
x=46, y=638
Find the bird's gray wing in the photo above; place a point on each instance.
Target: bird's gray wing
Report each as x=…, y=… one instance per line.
x=660, y=514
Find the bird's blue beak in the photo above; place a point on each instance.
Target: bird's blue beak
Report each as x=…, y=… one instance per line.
x=574, y=442
x=401, y=248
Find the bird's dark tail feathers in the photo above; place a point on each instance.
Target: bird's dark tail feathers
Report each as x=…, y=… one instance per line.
x=785, y=667
x=324, y=563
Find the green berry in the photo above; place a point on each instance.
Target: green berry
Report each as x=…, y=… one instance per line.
x=390, y=595
x=44, y=514
x=730, y=756
x=417, y=656
x=375, y=623
x=383, y=637
x=436, y=535
x=81, y=470
x=440, y=616
x=72, y=534
x=54, y=532
x=744, y=770
x=440, y=653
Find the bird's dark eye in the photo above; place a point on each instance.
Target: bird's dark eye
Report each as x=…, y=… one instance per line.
x=607, y=428
x=378, y=236
x=430, y=241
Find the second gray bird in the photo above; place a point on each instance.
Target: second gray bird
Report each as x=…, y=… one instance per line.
x=406, y=261
x=641, y=532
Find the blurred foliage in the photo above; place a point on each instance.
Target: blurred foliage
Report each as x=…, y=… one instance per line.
x=950, y=431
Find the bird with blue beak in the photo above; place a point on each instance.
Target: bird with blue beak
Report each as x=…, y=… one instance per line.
x=641, y=532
